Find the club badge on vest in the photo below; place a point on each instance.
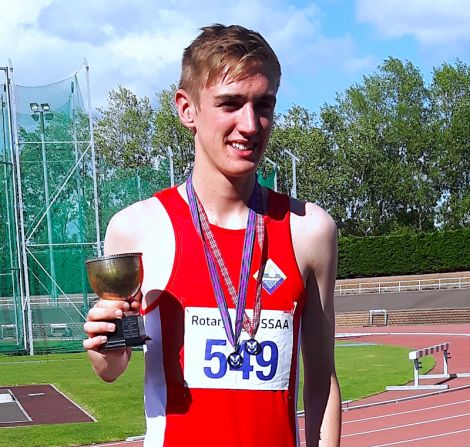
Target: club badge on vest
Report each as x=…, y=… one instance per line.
x=273, y=276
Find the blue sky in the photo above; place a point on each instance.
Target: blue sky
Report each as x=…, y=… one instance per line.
x=324, y=46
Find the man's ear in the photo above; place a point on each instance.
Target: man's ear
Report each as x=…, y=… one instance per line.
x=186, y=108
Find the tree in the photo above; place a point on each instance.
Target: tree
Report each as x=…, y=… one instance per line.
x=298, y=131
x=169, y=132
x=380, y=132
x=124, y=132
x=450, y=105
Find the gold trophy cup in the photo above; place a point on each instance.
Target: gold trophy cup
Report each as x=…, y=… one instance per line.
x=119, y=277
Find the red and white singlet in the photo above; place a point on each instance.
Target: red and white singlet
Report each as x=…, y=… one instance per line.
x=192, y=397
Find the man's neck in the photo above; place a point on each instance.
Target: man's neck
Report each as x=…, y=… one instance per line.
x=224, y=200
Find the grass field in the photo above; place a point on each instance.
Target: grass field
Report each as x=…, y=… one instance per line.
x=118, y=407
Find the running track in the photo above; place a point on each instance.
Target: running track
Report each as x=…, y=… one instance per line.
x=407, y=418
x=411, y=418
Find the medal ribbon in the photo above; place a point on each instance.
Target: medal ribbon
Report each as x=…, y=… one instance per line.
x=213, y=256
x=250, y=326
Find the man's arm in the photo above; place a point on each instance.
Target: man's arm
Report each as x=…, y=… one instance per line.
x=109, y=365
x=316, y=248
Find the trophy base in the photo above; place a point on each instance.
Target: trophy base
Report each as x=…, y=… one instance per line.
x=129, y=332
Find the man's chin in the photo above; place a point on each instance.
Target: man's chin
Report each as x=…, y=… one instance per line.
x=240, y=170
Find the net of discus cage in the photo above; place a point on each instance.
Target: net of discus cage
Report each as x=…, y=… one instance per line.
x=56, y=199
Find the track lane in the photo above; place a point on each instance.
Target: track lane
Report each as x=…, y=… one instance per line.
x=441, y=419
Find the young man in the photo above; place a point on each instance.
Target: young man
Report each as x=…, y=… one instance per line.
x=236, y=277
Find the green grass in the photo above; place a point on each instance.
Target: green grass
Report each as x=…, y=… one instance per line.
x=118, y=407
x=366, y=370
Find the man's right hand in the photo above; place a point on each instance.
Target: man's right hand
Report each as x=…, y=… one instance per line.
x=99, y=319
x=99, y=322
x=110, y=364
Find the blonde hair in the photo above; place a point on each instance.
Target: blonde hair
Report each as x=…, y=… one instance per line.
x=228, y=51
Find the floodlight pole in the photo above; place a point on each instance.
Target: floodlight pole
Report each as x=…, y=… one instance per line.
x=295, y=160
x=41, y=112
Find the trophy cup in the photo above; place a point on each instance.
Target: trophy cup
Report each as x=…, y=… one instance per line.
x=119, y=277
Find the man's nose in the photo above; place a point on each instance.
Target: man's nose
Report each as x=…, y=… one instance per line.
x=248, y=122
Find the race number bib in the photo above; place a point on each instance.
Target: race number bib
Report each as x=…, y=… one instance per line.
x=206, y=350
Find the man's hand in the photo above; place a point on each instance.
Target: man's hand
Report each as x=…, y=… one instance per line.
x=99, y=320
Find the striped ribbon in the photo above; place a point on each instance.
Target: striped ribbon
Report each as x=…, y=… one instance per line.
x=214, y=258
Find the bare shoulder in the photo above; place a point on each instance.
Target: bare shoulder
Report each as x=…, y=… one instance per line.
x=314, y=234
x=129, y=227
x=310, y=221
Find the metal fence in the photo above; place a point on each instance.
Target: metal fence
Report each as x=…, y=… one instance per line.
x=402, y=285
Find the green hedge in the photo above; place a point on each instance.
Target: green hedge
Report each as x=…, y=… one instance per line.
x=440, y=251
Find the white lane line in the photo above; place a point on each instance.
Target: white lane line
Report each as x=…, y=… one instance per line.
x=430, y=421
x=405, y=399
x=34, y=361
x=407, y=441
x=72, y=402
x=431, y=334
x=405, y=412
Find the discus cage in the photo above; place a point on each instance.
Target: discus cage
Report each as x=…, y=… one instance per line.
x=56, y=198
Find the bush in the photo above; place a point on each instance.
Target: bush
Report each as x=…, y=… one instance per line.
x=439, y=251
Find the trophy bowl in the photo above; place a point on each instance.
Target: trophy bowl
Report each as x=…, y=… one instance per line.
x=116, y=277
x=119, y=277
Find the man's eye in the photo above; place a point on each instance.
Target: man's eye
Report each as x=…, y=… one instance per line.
x=265, y=107
x=229, y=105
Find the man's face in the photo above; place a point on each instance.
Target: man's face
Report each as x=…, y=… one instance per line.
x=233, y=122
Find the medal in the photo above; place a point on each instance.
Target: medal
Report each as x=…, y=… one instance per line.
x=235, y=360
x=255, y=225
x=252, y=347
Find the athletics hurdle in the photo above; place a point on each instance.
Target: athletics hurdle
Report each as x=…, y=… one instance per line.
x=378, y=312
x=415, y=356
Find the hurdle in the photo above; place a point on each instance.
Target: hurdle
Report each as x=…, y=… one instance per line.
x=8, y=331
x=378, y=312
x=59, y=329
x=416, y=356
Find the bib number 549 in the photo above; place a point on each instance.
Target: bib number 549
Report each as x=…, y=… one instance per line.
x=264, y=364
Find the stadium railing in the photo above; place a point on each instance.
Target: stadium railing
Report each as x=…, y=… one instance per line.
x=402, y=285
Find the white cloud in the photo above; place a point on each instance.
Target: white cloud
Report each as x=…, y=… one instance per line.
x=139, y=43
x=432, y=23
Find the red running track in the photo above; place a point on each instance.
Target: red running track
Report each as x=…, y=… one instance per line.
x=415, y=418
x=407, y=418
